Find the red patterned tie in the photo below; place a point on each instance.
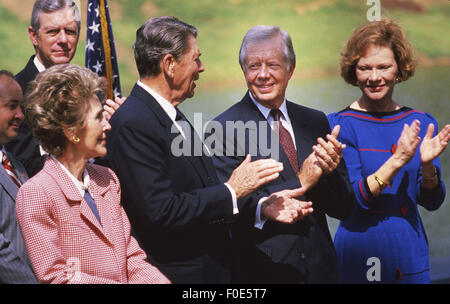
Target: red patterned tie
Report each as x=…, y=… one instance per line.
x=285, y=140
x=10, y=170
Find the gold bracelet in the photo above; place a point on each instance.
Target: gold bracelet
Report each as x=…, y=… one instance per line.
x=380, y=182
x=433, y=178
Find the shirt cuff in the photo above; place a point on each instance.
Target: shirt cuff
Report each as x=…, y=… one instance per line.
x=233, y=197
x=259, y=223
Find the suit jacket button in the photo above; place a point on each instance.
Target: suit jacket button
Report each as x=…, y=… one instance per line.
x=302, y=256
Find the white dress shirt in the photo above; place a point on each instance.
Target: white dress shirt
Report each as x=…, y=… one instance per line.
x=40, y=67
x=81, y=186
x=286, y=122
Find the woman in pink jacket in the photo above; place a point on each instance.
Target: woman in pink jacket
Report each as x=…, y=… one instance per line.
x=74, y=227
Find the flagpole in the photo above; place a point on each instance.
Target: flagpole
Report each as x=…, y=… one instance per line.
x=107, y=48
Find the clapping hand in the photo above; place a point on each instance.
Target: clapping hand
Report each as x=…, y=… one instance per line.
x=432, y=147
x=324, y=159
x=283, y=207
x=407, y=143
x=249, y=176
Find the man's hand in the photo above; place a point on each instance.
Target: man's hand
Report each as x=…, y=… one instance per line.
x=283, y=207
x=111, y=106
x=249, y=176
x=324, y=159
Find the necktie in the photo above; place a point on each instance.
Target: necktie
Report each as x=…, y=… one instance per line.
x=7, y=165
x=90, y=201
x=285, y=140
x=179, y=116
x=192, y=137
x=181, y=120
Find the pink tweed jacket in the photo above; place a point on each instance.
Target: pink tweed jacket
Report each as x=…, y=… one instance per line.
x=67, y=244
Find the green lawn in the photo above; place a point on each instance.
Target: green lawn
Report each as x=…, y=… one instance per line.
x=318, y=35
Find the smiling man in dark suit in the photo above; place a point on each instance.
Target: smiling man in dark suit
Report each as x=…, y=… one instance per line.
x=15, y=266
x=272, y=252
x=178, y=208
x=54, y=31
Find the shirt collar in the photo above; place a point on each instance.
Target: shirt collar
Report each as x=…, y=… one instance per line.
x=266, y=111
x=81, y=186
x=1, y=153
x=40, y=67
x=164, y=103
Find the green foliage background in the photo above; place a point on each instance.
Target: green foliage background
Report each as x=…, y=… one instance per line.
x=318, y=28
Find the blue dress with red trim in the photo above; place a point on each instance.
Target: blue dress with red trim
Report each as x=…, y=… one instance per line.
x=384, y=239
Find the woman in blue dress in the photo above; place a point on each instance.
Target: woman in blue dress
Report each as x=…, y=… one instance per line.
x=392, y=158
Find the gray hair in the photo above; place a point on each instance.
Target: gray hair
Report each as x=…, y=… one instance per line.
x=158, y=37
x=261, y=33
x=50, y=6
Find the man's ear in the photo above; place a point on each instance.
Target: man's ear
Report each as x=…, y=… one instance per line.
x=167, y=65
x=33, y=36
x=291, y=69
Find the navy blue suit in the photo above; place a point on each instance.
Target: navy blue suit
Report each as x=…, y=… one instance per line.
x=178, y=208
x=283, y=253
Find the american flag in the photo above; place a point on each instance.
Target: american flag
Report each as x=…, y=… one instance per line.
x=100, y=51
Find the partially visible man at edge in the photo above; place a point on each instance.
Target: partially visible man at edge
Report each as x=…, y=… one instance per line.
x=272, y=252
x=54, y=31
x=15, y=266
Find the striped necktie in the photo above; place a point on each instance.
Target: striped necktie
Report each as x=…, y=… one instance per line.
x=9, y=169
x=285, y=140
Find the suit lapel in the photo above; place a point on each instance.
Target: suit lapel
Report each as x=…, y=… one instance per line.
x=18, y=169
x=8, y=184
x=98, y=193
x=73, y=195
x=200, y=165
x=300, y=127
x=252, y=113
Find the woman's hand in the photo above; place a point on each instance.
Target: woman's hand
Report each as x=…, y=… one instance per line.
x=432, y=147
x=407, y=143
x=249, y=176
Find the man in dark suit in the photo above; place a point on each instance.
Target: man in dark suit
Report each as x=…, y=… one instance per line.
x=54, y=31
x=15, y=266
x=177, y=207
x=274, y=252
